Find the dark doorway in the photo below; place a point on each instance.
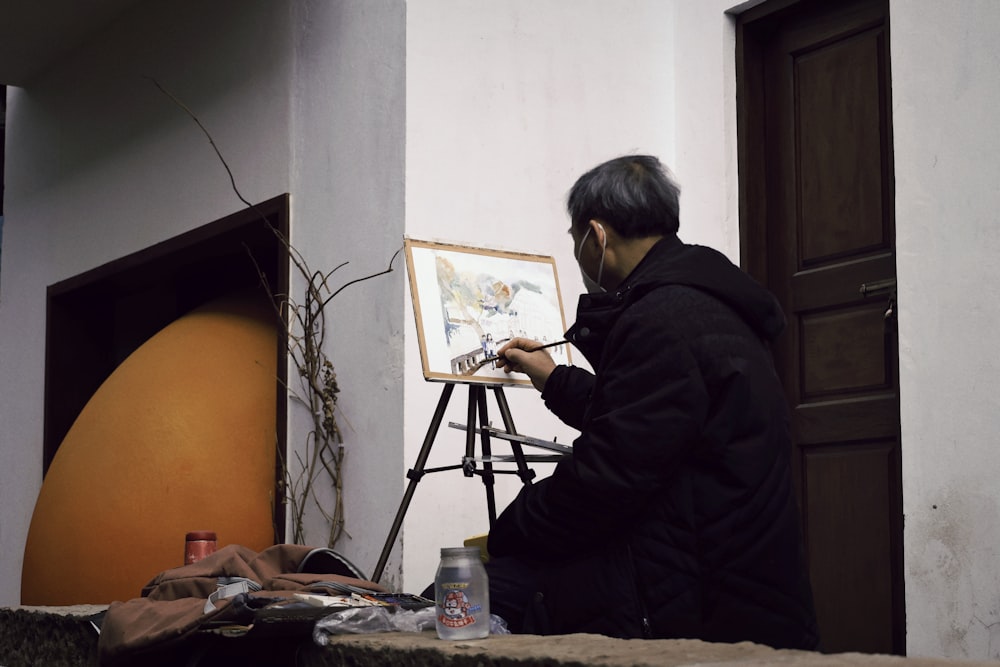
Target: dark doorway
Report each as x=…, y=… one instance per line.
x=816, y=189
x=97, y=319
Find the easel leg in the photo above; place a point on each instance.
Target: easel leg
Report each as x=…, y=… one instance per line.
x=469, y=461
x=523, y=471
x=414, y=475
x=488, y=476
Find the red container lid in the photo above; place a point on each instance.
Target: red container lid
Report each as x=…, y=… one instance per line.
x=198, y=535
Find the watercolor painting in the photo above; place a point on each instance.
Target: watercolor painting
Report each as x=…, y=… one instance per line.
x=468, y=302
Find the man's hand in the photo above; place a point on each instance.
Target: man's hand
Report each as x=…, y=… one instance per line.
x=522, y=355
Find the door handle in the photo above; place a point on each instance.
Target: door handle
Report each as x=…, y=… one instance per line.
x=878, y=287
x=886, y=287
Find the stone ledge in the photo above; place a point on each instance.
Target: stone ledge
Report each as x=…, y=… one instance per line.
x=65, y=637
x=584, y=650
x=57, y=636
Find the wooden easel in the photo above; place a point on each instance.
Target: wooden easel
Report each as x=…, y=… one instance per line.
x=477, y=414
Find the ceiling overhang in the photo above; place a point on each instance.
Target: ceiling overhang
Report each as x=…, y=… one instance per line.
x=34, y=35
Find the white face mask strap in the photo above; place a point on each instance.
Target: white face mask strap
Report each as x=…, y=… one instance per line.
x=579, y=248
x=604, y=250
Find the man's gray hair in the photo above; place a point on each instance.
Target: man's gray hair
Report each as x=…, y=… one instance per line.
x=635, y=194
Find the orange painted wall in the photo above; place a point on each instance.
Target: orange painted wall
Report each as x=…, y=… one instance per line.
x=180, y=437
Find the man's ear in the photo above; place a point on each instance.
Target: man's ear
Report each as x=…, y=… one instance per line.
x=597, y=230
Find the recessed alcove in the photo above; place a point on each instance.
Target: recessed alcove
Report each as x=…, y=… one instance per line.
x=95, y=320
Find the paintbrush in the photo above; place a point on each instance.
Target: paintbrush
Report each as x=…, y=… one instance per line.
x=540, y=347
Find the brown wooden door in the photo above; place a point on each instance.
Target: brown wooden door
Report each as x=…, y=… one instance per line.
x=817, y=215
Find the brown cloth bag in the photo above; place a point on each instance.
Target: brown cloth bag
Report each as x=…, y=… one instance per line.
x=173, y=604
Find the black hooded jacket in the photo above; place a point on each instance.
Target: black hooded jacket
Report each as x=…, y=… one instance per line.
x=675, y=515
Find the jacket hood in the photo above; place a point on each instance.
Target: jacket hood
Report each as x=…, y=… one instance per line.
x=672, y=262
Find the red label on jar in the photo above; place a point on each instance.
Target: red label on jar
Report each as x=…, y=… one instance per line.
x=195, y=550
x=456, y=622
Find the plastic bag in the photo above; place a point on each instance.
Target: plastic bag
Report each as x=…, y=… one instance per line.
x=364, y=620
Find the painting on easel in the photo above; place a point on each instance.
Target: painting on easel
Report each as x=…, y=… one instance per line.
x=468, y=302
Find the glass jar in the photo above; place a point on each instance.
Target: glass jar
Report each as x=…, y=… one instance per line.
x=198, y=544
x=462, y=594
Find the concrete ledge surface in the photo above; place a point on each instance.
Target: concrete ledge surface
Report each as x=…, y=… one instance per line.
x=585, y=650
x=65, y=637
x=56, y=636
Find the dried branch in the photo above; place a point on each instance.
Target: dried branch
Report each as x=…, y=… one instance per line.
x=305, y=324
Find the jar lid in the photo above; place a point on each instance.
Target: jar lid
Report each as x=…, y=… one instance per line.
x=459, y=552
x=196, y=535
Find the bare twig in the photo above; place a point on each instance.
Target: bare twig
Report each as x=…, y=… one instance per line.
x=306, y=337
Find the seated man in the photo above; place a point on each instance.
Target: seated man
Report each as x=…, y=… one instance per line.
x=675, y=515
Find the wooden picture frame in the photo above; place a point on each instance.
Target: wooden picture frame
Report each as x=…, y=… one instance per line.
x=468, y=302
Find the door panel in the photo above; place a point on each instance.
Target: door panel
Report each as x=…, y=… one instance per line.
x=843, y=351
x=853, y=542
x=817, y=224
x=838, y=117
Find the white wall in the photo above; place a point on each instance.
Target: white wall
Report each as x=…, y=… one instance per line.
x=706, y=159
x=945, y=92
x=507, y=104
x=348, y=195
